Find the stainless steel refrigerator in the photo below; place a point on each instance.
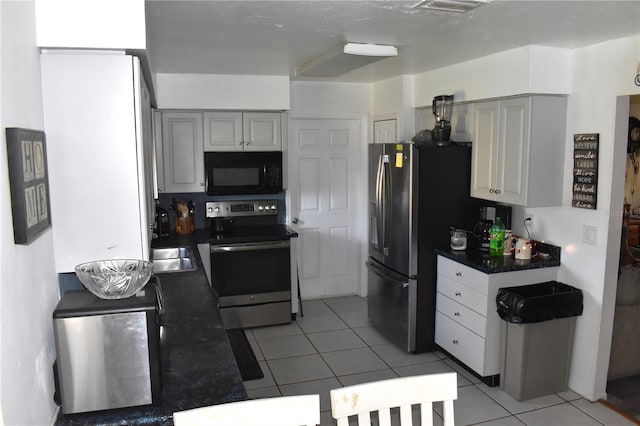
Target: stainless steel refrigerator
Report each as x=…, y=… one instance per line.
x=415, y=194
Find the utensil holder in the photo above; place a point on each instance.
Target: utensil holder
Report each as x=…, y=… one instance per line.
x=184, y=225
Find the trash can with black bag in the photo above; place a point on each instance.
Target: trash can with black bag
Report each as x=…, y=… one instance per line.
x=537, y=337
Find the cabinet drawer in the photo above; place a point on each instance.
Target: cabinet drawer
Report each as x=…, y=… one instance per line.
x=462, y=294
x=462, y=315
x=460, y=342
x=470, y=277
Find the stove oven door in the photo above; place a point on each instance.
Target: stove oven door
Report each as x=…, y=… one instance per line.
x=253, y=283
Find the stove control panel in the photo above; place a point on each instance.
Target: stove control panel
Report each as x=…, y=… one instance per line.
x=242, y=208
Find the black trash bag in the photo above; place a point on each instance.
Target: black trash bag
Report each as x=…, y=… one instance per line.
x=538, y=302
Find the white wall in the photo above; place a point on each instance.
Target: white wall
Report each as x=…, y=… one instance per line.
x=215, y=91
x=593, y=77
x=99, y=24
x=394, y=96
x=330, y=98
x=28, y=283
x=516, y=71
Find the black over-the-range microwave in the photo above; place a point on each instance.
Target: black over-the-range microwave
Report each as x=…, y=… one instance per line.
x=239, y=173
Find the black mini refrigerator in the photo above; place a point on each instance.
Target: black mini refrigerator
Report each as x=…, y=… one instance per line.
x=108, y=351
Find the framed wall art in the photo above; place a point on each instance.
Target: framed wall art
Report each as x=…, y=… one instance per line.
x=585, y=170
x=29, y=183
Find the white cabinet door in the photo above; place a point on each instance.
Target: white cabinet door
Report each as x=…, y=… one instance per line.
x=223, y=131
x=385, y=131
x=182, y=149
x=513, y=151
x=518, y=145
x=242, y=131
x=262, y=131
x=485, y=149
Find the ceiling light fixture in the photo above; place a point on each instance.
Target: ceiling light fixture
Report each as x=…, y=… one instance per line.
x=458, y=6
x=344, y=58
x=366, y=49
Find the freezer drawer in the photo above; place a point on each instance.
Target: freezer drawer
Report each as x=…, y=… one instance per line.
x=392, y=305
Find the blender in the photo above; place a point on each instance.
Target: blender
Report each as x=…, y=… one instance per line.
x=442, y=109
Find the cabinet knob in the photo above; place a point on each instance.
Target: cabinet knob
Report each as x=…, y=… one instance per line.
x=497, y=191
x=456, y=314
x=454, y=341
x=491, y=191
x=201, y=183
x=458, y=274
x=247, y=143
x=295, y=220
x=458, y=294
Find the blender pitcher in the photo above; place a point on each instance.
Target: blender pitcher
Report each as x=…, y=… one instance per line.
x=442, y=107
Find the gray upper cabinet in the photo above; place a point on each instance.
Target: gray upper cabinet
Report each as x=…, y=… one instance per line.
x=518, y=146
x=242, y=131
x=182, y=153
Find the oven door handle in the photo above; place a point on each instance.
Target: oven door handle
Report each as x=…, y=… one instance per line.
x=249, y=246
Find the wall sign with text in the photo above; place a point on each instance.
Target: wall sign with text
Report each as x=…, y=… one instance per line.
x=585, y=170
x=29, y=183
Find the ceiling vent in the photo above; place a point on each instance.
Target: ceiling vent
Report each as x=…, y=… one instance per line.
x=344, y=58
x=458, y=6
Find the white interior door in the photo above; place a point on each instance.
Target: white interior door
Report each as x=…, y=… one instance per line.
x=325, y=184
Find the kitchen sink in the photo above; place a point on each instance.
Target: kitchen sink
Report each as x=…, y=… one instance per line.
x=173, y=259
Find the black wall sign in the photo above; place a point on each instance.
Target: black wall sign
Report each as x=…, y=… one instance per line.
x=585, y=170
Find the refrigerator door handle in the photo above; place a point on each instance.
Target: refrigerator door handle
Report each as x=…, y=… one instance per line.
x=383, y=199
x=379, y=206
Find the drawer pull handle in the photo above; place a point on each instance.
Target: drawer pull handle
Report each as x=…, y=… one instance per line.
x=458, y=294
x=455, y=342
x=456, y=314
x=458, y=274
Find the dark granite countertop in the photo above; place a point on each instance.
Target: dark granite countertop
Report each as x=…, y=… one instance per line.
x=481, y=260
x=199, y=368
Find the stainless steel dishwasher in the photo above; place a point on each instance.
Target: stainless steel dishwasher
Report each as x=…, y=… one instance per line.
x=108, y=351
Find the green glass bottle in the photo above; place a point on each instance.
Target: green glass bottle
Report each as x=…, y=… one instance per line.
x=496, y=239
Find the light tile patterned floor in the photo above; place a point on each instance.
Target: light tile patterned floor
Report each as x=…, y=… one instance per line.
x=333, y=345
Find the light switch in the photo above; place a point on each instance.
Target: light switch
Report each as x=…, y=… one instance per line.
x=590, y=234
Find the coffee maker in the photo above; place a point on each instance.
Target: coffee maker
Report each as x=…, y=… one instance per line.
x=487, y=215
x=442, y=108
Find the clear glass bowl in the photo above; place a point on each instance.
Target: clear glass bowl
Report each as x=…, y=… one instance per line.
x=114, y=278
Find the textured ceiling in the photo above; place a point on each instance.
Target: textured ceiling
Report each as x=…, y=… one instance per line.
x=273, y=37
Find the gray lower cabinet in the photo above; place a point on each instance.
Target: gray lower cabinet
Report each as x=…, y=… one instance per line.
x=467, y=324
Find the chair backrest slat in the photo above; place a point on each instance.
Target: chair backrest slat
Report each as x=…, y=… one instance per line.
x=401, y=393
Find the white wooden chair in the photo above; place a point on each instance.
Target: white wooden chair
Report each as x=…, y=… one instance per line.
x=381, y=396
x=300, y=410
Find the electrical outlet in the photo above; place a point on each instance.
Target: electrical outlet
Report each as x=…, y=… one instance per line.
x=590, y=234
